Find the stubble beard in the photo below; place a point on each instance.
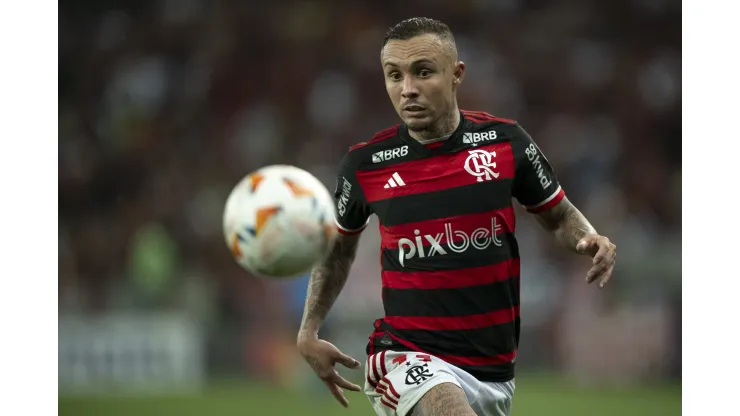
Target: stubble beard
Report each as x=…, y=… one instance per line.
x=443, y=126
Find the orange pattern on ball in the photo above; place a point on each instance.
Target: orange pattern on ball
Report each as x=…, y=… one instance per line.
x=255, y=180
x=263, y=215
x=235, y=247
x=296, y=189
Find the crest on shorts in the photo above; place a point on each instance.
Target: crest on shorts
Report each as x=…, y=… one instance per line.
x=417, y=374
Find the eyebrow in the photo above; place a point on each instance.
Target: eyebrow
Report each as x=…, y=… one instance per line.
x=415, y=63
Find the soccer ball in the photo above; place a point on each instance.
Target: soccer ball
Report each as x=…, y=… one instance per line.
x=279, y=221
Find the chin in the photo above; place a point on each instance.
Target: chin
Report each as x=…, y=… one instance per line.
x=417, y=124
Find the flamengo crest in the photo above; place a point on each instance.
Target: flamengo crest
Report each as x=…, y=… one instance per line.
x=480, y=164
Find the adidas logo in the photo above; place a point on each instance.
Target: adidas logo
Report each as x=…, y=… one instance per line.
x=395, y=181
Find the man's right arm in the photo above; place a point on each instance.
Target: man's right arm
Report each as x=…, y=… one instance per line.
x=326, y=282
x=329, y=277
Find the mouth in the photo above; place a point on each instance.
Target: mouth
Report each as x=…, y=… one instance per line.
x=413, y=109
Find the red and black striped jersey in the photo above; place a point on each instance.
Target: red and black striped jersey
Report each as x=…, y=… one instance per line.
x=449, y=257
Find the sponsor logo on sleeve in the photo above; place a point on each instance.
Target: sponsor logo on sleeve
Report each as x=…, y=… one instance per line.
x=536, y=159
x=343, y=200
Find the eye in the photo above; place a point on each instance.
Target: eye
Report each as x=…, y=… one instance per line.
x=425, y=73
x=395, y=76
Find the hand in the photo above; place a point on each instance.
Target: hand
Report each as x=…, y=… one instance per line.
x=322, y=356
x=604, y=254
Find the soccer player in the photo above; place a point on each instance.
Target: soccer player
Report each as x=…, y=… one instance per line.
x=441, y=184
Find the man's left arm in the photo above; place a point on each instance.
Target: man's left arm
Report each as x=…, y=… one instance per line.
x=572, y=230
x=537, y=188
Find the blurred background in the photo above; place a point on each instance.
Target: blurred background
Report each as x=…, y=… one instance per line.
x=165, y=104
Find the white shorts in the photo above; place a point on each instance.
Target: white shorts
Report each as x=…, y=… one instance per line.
x=395, y=381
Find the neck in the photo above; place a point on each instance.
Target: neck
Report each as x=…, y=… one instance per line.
x=443, y=128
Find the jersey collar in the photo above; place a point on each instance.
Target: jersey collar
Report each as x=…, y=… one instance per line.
x=449, y=144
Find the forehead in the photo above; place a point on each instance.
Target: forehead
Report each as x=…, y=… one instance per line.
x=403, y=52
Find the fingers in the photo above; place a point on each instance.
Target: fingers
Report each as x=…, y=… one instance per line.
x=595, y=272
x=347, y=361
x=603, y=268
x=599, y=268
x=343, y=383
x=602, y=253
x=607, y=276
x=335, y=383
x=337, y=392
x=322, y=357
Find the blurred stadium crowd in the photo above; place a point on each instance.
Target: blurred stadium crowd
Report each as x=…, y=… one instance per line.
x=164, y=105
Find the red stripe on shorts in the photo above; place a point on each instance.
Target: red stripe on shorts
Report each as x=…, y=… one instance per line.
x=369, y=380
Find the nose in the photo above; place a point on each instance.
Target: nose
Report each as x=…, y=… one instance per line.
x=409, y=90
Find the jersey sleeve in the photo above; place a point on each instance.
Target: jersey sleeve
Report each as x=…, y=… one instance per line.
x=535, y=184
x=353, y=212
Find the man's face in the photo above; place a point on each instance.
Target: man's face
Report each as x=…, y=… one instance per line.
x=421, y=77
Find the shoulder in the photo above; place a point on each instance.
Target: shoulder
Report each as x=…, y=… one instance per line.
x=373, y=150
x=490, y=127
x=378, y=137
x=482, y=118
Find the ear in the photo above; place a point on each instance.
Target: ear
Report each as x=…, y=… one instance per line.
x=459, y=73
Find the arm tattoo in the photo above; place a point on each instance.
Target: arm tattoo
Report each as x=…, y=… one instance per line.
x=445, y=399
x=327, y=280
x=567, y=223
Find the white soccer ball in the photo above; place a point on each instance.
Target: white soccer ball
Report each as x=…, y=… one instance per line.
x=279, y=221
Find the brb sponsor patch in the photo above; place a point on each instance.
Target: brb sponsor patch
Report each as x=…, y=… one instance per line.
x=390, y=154
x=486, y=136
